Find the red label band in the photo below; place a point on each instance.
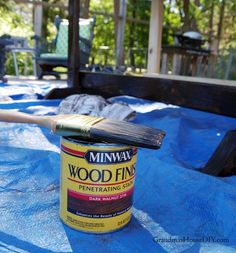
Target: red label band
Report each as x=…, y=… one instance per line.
x=100, y=198
x=72, y=151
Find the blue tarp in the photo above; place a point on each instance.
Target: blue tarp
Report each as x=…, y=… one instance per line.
x=27, y=91
x=176, y=208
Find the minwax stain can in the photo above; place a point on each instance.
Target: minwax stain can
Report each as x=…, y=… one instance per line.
x=97, y=184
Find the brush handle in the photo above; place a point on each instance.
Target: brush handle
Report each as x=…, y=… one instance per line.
x=91, y=128
x=20, y=117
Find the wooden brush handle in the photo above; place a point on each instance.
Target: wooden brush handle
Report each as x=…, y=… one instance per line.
x=17, y=117
x=20, y=117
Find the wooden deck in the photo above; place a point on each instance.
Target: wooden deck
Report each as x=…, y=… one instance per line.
x=211, y=95
x=32, y=80
x=194, y=79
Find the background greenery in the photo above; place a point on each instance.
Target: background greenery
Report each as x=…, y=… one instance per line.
x=179, y=16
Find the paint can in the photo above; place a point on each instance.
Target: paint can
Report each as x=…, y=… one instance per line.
x=97, y=184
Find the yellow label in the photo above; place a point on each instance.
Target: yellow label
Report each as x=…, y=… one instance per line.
x=97, y=183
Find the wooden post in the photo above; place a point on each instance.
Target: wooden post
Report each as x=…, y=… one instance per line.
x=120, y=7
x=38, y=18
x=73, y=43
x=155, y=37
x=164, y=65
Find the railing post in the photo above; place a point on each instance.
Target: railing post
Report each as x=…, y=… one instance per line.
x=155, y=37
x=73, y=44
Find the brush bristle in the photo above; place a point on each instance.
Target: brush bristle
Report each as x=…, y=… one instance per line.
x=127, y=133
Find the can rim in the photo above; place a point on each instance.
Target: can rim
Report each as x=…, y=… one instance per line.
x=91, y=143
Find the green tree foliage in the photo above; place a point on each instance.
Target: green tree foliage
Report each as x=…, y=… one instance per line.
x=136, y=35
x=6, y=5
x=179, y=16
x=48, y=29
x=104, y=33
x=202, y=16
x=136, y=41
x=14, y=22
x=12, y=19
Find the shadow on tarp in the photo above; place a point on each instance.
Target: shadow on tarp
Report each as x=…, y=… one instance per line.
x=11, y=244
x=131, y=238
x=80, y=242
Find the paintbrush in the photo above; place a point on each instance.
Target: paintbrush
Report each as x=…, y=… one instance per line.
x=90, y=127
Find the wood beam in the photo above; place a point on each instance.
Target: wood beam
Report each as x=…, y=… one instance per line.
x=155, y=37
x=38, y=19
x=120, y=7
x=211, y=95
x=42, y=3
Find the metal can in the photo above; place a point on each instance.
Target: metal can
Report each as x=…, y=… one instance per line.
x=97, y=184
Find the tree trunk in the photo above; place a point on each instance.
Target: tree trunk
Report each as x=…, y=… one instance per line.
x=193, y=23
x=216, y=43
x=132, y=25
x=44, y=31
x=211, y=23
x=186, y=19
x=116, y=13
x=222, y=10
x=85, y=8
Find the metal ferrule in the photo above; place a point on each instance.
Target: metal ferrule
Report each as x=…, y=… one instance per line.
x=76, y=125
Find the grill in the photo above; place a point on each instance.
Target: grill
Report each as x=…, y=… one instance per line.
x=189, y=40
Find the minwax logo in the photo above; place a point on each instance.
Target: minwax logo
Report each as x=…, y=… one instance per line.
x=107, y=157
